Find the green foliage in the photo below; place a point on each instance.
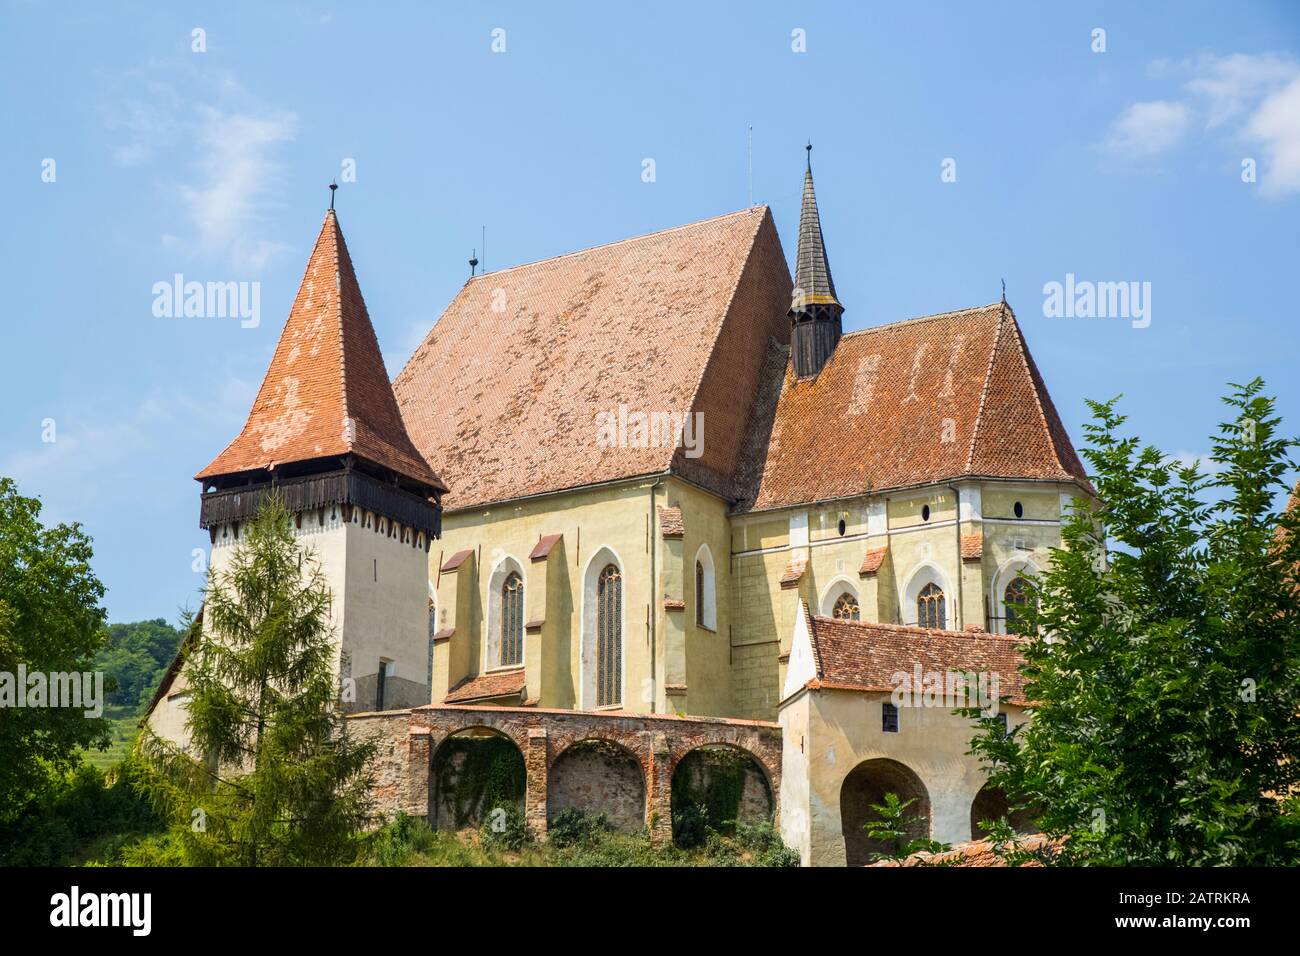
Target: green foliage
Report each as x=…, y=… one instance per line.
x=893, y=828
x=51, y=621
x=1164, y=731
x=480, y=774
x=707, y=790
x=504, y=828
x=574, y=827
x=283, y=782
x=136, y=656
x=397, y=842
x=78, y=819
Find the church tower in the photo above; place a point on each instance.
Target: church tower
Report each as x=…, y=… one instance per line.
x=326, y=433
x=815, y=312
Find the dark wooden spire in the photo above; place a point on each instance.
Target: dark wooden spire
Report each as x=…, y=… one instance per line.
x=815, y=310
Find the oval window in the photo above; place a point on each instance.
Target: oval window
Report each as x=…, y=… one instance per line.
x=925, y=512
x=1020, y=510
x=842, y=526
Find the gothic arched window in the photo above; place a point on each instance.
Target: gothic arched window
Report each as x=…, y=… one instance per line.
x=846, y=608
x=1015, y=597
x=512, y=620
x=930, y=611
x=609, y=637
x=699, y=594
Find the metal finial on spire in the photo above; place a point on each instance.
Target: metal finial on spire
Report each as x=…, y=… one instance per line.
x=333, y=186
x=1004, y=291
x=473, y=262
x=808, y=148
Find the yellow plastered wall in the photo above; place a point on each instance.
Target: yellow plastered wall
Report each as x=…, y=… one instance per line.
x=614, y=519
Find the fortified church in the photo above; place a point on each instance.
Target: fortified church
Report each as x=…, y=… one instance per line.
x=651, y=493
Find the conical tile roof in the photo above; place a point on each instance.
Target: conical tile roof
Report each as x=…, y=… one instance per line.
x=326, y=392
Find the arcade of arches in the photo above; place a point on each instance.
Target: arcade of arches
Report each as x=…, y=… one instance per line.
x=455, y=764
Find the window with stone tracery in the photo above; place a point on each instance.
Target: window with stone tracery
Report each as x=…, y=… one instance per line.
x=609, y=637
x=930, y=610
x=846, y=608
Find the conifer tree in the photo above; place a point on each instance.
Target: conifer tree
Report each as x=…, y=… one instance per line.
x=1166, y=681
x=271, y=776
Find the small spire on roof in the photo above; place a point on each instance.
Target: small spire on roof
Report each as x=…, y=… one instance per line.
x=473, y=262
x=1004, y=291
x=333, y=187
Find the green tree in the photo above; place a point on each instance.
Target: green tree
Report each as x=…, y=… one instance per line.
x=51, y=621
x=1167, y=686
x=894, y=828
x=272, y=776
x=136, y=657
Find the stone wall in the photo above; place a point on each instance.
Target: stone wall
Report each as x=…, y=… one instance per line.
x=597, y=776
x=409, y=740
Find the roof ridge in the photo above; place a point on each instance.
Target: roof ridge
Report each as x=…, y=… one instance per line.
x=1038, y=398
x=619, y=242
x=984, y=394
x=338, y=309
x=917, y=629
x=920, y=318
x=726, y=313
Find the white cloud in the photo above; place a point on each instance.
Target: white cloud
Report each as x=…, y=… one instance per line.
x=217, y=146
x=1276, y=126
x=237, y=171
x=1145, y=130
x=1229, y=85
x=1254, y=99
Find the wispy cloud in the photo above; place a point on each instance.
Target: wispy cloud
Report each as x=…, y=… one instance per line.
x=1148, y=129
x=1250, y=99
x=237, y=170
x=217, y=148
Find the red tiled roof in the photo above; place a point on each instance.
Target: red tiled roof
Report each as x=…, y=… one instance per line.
x=857, y=655
x=972, y=547
x=794, y=571
x=670, y=522
x=456, y=560
x=931, y=399
x=504, y=392
x=326, y=392
x=872, y=561
x=975, y=853
x=544, y=545
x=485, y=686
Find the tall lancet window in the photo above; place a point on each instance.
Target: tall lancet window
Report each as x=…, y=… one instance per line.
x=930, y=610
x=512, y=620
x=609, y=637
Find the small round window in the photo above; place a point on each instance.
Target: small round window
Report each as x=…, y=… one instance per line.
x=925, y=512
x=843, y=527
x=1020, y=510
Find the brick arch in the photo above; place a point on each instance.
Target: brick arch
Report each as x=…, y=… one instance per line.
x=658, y=741
x=445, y=806
x=599, y=775
x=758, y=800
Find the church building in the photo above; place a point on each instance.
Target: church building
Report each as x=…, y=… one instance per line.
x=656, y=478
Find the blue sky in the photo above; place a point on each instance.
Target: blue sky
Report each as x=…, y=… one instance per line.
x=1122, y=165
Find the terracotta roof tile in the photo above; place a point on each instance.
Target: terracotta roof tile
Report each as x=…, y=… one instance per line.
x=670, y=522
x=456, y=560
x=326, y=392
x=857, y=655
x=794, y=571
x=503, y=394
x=544, y=545
x=958, y=391
x=872, y=561
x=975, y=853
x=972, y=547
x=483, y=686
